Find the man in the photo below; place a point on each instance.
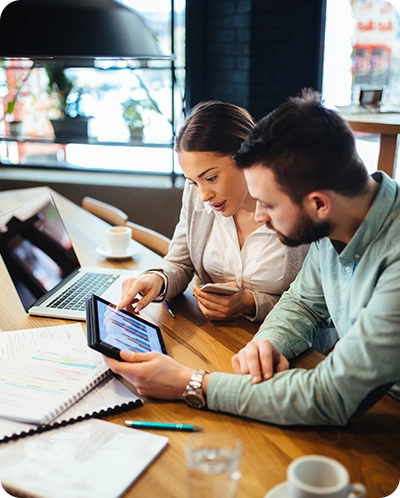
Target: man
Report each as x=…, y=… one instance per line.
x=302, y=168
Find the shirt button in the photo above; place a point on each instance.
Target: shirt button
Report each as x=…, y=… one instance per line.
x=357, y=256
x=348, y=269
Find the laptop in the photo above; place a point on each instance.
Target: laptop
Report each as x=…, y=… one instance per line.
x=43, y=265
x=370, y=102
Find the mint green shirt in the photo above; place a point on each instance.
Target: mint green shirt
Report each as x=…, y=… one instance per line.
x=359, y=289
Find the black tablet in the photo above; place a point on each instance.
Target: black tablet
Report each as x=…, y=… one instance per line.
x=109, y=330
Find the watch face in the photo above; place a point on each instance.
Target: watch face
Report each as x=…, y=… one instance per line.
x=194, y=400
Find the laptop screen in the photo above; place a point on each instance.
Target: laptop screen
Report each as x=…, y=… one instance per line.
x=36, y=248
x=371, y=97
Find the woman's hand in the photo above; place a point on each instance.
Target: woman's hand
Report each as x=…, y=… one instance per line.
x=148, y=284
x=153, y=374
x=260, y=359
x=220, y=307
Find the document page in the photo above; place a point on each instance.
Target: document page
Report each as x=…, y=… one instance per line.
x=15, y=341
x=89, y=459
x=45, y=379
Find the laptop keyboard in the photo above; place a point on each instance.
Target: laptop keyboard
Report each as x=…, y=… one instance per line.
x=75, y=296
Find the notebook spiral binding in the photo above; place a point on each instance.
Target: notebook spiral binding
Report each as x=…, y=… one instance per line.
x=71, y=400
x=55, y=425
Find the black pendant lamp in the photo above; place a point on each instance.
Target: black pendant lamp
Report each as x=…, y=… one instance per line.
x=41, y=29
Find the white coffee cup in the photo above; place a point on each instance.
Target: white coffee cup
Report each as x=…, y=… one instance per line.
x=119, y=238
x=316, y=476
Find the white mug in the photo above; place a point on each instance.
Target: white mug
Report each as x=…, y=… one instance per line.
x=316, y=476
x=119, y=238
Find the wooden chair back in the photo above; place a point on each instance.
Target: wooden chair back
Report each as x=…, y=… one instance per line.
x=150, y=238
x=155, y=241
x=105, y=211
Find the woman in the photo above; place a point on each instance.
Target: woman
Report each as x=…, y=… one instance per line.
x=217, y=237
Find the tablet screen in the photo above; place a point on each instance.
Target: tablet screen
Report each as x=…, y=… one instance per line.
x=123, y=331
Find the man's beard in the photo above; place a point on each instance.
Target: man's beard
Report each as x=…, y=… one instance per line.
x=306, y=232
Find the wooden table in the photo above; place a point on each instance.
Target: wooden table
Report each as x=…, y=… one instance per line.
x=388, y=126
x=369, y=446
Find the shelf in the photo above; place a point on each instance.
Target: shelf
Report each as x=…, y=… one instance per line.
x=81, y=140
x=102, y=92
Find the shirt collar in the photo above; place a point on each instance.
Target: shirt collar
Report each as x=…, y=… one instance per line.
x=374, y=220
x=208, y=208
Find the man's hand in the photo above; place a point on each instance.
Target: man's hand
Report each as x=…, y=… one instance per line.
x=148, y=284
x=221, y=307
x=260, y=359
x=153, y=374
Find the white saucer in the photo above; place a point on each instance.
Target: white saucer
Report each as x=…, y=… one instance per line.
x=279, y=491
x=104, y=250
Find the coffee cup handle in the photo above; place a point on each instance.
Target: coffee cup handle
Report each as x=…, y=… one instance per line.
x=356, y=490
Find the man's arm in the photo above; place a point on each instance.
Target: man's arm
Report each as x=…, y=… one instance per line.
x=289, y=328
x=363, y=365
x=300, y=313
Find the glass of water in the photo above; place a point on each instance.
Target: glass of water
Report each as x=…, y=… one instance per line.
x=213, y=462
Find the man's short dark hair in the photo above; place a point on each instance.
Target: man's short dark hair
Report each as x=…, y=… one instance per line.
x=308, y=147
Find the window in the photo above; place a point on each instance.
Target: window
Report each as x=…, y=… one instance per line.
x=362, y=51
x=111, y=97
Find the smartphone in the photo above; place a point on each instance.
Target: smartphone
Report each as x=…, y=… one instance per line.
x=109, y=330
x=219, y=289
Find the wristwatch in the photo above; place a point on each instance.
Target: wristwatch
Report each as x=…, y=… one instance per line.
x=193, y=394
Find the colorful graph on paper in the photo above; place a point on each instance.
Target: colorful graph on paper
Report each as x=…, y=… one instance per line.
x=44, y=375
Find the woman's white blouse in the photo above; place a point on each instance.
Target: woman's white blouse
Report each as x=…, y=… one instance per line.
x=258, y=266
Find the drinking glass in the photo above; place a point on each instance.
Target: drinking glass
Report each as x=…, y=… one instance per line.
x=213, y=461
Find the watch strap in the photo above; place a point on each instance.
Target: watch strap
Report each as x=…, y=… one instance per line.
x=193, y=393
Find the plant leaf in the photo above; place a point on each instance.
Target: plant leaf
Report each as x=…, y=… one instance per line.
x=10, y=107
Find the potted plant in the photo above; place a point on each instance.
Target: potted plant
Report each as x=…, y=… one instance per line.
x=14, y=125
x=11, y=115
x=71, y=120
x=132, y=112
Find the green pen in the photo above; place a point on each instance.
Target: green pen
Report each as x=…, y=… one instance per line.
x=140, y=424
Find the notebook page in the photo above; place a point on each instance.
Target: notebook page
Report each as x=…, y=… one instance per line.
x=15, y=341
x=108, y=395
x=90, y=459
x=42, y=381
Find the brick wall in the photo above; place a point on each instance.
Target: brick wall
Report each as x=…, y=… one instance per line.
x=254, y=53
x=228, y=50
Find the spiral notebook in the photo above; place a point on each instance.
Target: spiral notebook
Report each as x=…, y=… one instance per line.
x=109, y=396
x=56, y=380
